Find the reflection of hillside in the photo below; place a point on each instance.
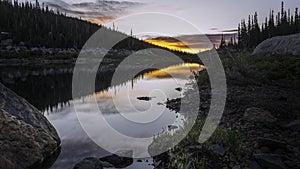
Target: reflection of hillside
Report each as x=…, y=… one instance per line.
x=47, y=91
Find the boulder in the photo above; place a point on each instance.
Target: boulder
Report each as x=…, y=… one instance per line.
x=289, y=44
x=89, y=163
x=254, y=114
x=111, y=161
x=22, y=145
x=24, y=111
x=26, y=137
x=119, y=161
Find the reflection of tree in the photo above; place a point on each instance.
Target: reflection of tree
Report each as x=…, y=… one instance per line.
x=51, y=90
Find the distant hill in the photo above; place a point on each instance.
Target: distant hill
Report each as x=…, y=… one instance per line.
x=38, y=26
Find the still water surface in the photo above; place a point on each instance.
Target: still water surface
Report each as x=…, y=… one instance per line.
x=150, y=117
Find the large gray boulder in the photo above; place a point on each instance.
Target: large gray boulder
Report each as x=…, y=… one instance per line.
x=289, y=44
x=24, y=111
x=26, y=136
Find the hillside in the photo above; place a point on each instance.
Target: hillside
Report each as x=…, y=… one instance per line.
x=25, y=24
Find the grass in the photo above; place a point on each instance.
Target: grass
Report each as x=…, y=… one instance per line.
x=181, y=155
x=246, y=68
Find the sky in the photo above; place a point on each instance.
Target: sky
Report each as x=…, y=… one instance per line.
x=207, y=16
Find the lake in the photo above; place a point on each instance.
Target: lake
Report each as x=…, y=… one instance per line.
x=135, y=108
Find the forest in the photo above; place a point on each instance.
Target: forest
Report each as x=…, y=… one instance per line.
x=35, y=25
x=252, y=33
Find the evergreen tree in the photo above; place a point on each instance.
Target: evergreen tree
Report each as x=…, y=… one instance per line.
x=251, y=34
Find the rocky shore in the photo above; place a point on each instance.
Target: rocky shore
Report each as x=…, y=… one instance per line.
x=259, y=128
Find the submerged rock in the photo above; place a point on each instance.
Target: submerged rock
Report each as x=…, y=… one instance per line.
x=178, y=89
x=26, y=136
x=172, y=127
x=144, y=98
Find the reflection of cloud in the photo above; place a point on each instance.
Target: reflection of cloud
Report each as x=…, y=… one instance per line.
x=177, y=71
x=96, y=12
x=191, y=43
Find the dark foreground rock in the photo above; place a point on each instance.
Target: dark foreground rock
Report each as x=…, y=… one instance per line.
x=26, y=137
x=119, y=161
x=89, y=163
x=111, y=161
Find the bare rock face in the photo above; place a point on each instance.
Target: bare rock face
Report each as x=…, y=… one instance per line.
x=26, y=136
x=289, y=44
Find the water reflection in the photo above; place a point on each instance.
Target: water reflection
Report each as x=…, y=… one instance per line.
x=52, y=92
x=114, y=102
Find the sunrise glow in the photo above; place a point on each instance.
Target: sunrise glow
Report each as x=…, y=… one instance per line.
x=175, y=45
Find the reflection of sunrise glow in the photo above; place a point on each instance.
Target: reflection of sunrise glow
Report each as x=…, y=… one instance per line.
x=178, y=71
x=176, y=45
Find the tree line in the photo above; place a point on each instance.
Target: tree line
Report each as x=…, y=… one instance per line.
x=285, y=22
x=36, y=25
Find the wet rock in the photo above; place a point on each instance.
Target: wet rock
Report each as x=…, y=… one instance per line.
x=178, y=89
x=106, y=164
x=89, y=163
x=119, y=161
x=26, y=137
x=172, y=127
x=217, y=149
x=157, y=163
x=269, y=161
x=144, y=98
x=258, y=115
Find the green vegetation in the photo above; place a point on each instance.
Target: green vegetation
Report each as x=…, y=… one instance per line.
x=190, y=154
x=257, y=69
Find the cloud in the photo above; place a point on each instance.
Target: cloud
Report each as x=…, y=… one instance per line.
x=192, y=43
x=230, y=31
x=98, y=12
